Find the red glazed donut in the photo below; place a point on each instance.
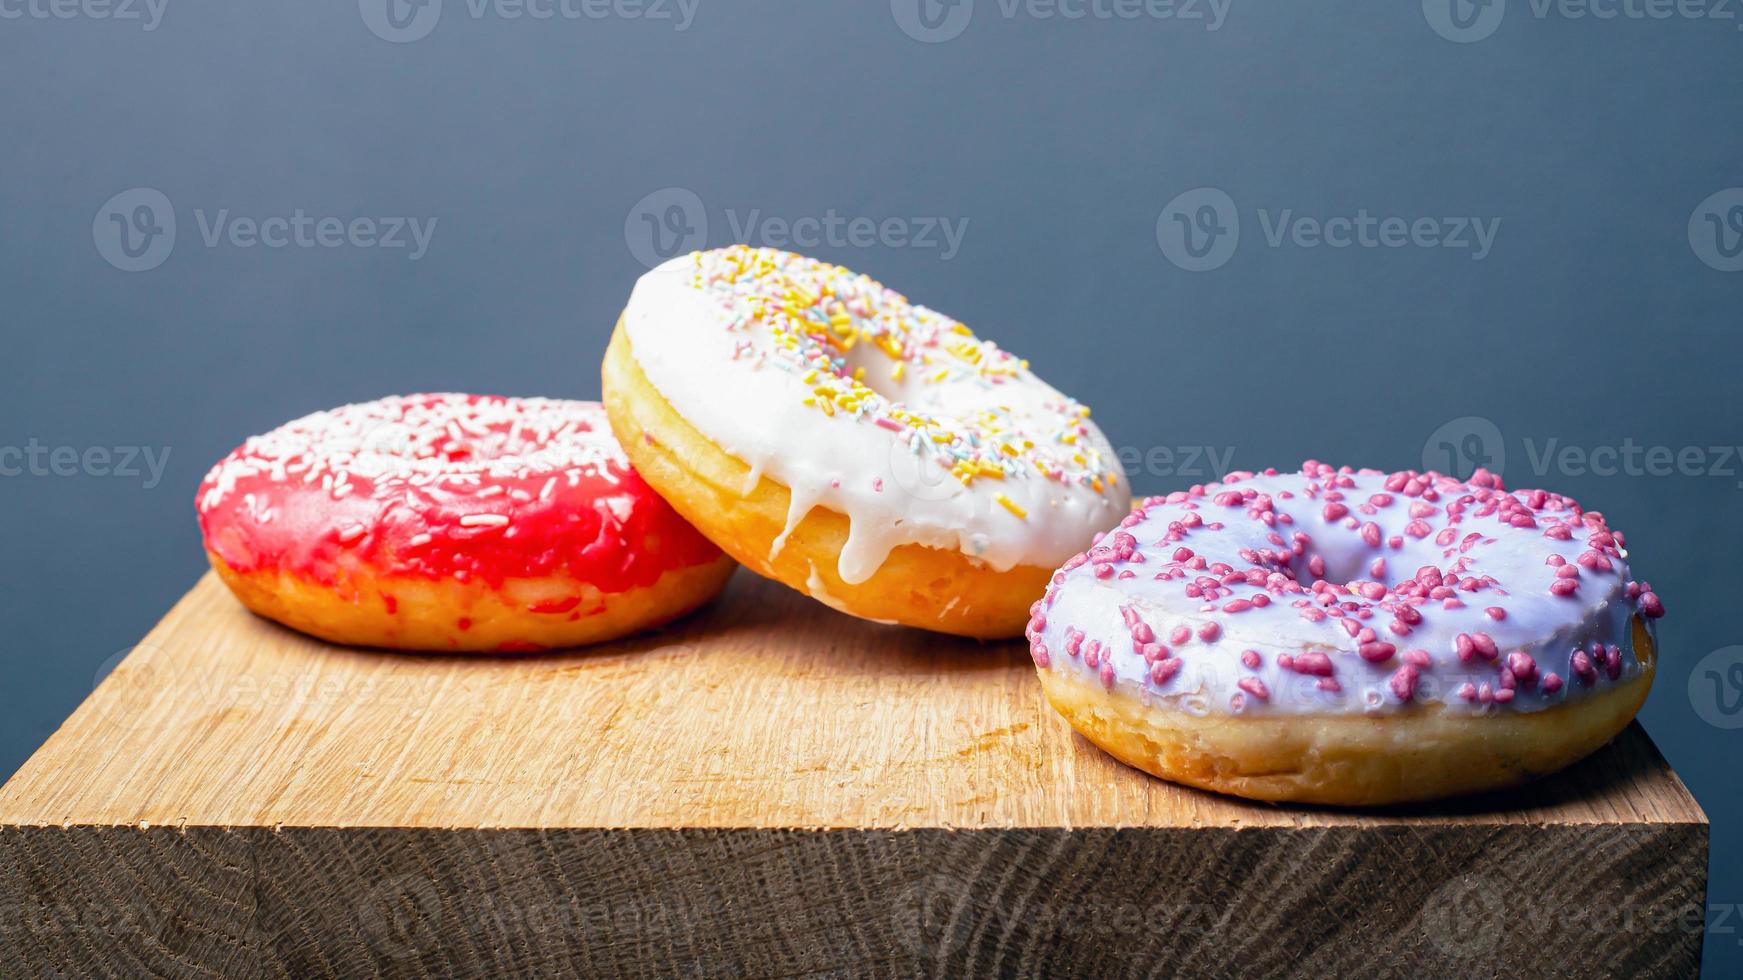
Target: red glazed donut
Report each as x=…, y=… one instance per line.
x=452, y=522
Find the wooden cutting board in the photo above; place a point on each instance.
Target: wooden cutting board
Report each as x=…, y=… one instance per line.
x=769, y=788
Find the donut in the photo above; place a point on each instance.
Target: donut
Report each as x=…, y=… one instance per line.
x=864, y=450
x=452, y=522
x=1349, y=636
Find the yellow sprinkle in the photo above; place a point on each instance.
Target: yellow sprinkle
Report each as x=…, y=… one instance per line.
x=1011, y=505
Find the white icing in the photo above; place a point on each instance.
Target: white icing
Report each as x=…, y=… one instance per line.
x=728, y=377
x=1547, y=627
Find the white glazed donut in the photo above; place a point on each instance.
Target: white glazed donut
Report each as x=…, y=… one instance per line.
x=1348, y=636
x=865, y=450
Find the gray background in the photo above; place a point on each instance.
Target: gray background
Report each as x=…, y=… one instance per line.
x=1592, y=321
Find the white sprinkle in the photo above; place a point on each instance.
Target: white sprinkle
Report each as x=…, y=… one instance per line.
x=484, y=520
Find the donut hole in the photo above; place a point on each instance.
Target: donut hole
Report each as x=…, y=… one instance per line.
x=1342, y=565
x=1349, y=559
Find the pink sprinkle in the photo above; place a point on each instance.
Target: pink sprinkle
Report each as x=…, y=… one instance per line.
x=1312, y=662
x=878, y=484
x=1404, y=682
x=1419, y=659
x=1255, y=687
x=1551, y=682
x=1237, y=605
x=1251, y=659
x=1182, y=553
x=1564, y=586
x=1523, y=667
x=1651, y=605
x=1371, y=534
x=1039, y=652
x=1496, y=613
x=1162, y=670
x=1376, y=652
x=1209, y=632
x=1180, y=635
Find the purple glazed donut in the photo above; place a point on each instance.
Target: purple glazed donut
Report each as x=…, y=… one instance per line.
x=1349, y=636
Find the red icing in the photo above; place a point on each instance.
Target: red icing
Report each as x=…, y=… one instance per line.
x=446, y=486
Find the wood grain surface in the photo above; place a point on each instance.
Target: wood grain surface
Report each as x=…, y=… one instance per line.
x=766, y=789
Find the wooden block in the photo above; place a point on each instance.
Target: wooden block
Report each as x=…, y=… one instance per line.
x=769, y=788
